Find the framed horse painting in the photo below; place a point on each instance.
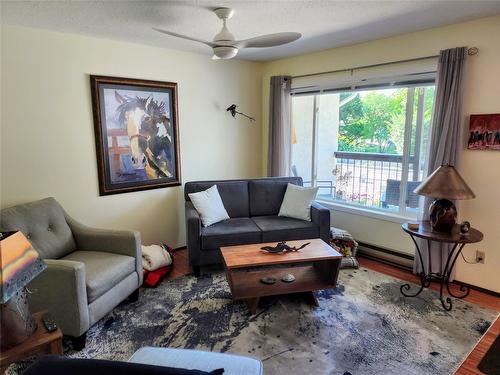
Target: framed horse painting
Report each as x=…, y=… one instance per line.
x=136, y=134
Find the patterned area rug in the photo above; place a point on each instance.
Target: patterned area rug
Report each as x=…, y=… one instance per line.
x=364, y=326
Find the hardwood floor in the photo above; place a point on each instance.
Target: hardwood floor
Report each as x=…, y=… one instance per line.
x=181, y=264
x=469, y=365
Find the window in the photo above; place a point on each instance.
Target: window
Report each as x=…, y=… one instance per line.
x=364, y=148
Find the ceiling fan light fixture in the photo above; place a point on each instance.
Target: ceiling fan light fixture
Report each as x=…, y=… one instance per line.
x=224, y=36
x=225, y=52
x=224, y=44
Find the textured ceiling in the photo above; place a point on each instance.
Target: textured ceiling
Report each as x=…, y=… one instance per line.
x=323, y=23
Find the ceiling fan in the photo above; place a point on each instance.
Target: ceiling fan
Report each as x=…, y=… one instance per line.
x=224, y=44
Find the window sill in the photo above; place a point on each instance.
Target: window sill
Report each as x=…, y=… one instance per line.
x=386, y=216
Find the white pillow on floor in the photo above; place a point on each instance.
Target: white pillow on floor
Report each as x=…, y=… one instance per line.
x=297, y=202
x=209, y=205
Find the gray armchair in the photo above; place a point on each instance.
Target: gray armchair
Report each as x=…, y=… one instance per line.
x=89, y=271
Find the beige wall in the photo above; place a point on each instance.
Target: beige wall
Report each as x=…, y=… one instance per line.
x=481, y=169
x=47, y=131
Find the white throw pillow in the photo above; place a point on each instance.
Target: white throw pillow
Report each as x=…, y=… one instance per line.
x=297, y=202
x=209, y=205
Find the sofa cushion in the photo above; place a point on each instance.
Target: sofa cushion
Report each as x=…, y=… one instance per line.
x=44, y=225
x=266, y=195
x=102, y=270
x=235, y=231
x=279, y=228
x=234, y=195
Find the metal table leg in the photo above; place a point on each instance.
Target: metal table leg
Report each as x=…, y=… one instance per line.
x=446, y=275
x=444, y=278
x=424, y=280
x=446, y=302
x=428, y=278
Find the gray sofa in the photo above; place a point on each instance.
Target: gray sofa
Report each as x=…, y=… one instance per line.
x=89, y=271
x=253, y=206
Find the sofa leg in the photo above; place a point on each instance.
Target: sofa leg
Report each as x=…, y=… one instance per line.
x=197, y=271
x=134, y=296
x=79, y=342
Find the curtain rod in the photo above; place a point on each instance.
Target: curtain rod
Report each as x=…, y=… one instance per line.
x=471, y=51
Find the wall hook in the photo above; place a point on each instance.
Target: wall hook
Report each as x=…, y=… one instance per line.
x=233, y=111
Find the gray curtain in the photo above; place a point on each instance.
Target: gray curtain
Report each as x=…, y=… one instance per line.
x=280, y=128
x=446, y=139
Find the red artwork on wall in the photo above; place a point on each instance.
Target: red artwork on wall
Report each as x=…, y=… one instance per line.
x=484, y=132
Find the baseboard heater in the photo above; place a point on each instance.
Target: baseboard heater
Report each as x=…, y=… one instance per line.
x=384, y=255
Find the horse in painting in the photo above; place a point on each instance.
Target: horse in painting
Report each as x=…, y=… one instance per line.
x=157, y=127
x=150, y=134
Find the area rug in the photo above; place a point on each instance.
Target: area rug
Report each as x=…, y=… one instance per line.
x=364, y=326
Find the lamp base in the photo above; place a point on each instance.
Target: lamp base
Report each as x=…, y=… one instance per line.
x=17, y=322
x=443, y=215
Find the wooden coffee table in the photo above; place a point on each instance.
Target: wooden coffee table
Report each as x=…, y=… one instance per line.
x=315, y=267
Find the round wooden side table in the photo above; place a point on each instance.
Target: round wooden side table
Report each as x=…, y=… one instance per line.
x=454, y=237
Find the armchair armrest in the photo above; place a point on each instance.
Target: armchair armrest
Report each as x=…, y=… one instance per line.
x=193, y=231
x=61, y=289
x=321, y=216
x=123, y=242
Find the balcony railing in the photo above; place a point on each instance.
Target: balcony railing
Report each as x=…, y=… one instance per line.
x=370, y=180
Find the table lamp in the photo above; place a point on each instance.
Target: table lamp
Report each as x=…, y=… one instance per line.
x=443, y=184
x=19, y=264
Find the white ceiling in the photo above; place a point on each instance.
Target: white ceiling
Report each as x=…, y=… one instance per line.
x=323, y=23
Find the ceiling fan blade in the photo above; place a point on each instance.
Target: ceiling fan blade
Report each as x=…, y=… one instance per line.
x=269, y=40
x=185, y=37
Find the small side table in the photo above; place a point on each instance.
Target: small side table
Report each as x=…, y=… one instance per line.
x=454, y=237
x=40, y=342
